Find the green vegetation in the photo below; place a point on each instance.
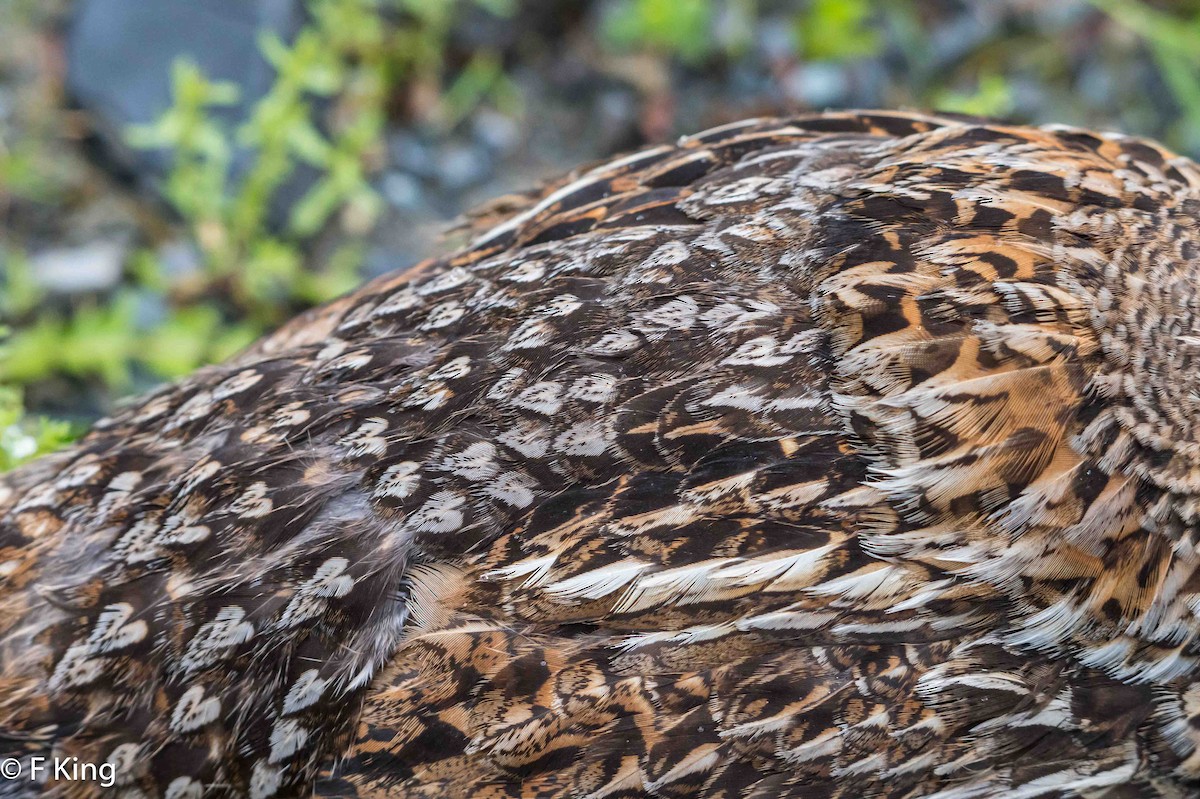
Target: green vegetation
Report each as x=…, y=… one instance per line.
x=348, y=56
x=682, y=28
x=839, y=30
x=694, y=31
x=1171, y=40
x=24, y=437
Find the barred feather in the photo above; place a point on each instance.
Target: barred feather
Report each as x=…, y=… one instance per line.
x=851, y=455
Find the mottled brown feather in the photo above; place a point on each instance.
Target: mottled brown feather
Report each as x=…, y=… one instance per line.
x=849, y=455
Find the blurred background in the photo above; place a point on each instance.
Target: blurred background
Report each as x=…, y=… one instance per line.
x=178, y=177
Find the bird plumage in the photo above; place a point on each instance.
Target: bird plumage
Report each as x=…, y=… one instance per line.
x=848, y=455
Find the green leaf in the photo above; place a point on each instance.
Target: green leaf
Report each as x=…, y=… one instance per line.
x=271, y=269
x=309, y=145
x=472, y=86
x=992, y=98
x=838, y=30
x=30, y=354
x=23, y=438
x=273, y=49
x=232, y=339
x=181, y=343
x=310, y=213
x=21, y=292
x=675, y=27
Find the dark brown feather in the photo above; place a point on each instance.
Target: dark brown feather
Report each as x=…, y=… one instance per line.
x=852, y=455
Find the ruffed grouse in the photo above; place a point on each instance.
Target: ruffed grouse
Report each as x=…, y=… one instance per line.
x=850, y=455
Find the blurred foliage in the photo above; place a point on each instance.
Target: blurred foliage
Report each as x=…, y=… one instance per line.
x=347, y=55
x=676, y=27
x=838, y=30
x=361, y=68
x=992, y=97
x=24, y=437
x=1172, y=40
x=696, y=30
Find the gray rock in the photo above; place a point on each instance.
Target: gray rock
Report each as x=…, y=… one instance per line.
x=402, y=190
x=776, y=38
x=495, y=130
x=733, y=28
x=179, y=258
x=460, y=166
x=408, y=152
x=816, y=83
x=150, y=310
x=95, y=266
x=7, y=103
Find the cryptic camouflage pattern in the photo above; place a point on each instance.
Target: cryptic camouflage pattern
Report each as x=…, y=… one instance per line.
x=852, y=455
